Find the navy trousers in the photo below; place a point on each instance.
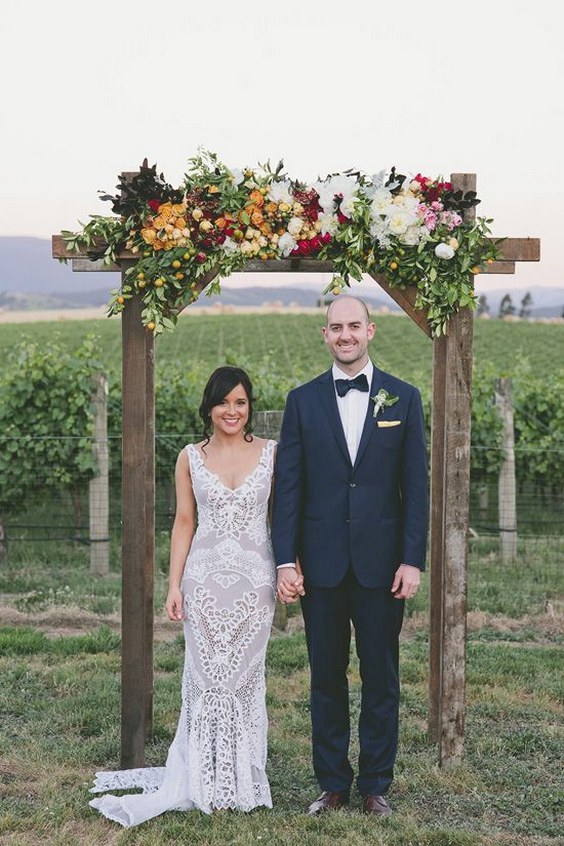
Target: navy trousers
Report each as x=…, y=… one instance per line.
x=377, y=619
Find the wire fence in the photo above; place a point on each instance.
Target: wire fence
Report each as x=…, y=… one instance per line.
x=66, y=513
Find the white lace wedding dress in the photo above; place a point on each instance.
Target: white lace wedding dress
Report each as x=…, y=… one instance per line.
x=218, y=756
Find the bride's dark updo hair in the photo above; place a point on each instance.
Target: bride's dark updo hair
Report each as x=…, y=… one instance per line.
x=221, y=382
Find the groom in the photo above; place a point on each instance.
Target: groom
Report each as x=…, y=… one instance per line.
x=351, y=508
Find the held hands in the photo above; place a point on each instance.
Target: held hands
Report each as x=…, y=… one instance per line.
x=174, y=604
x=289, y=584
x=406, y=581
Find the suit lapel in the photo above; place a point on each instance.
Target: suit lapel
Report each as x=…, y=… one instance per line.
x=328, y=400
x=378, y=378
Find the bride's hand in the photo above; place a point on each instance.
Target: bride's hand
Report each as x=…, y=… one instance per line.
x=174, y=605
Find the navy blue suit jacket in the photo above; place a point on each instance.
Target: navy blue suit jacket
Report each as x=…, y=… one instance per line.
x=372, y=516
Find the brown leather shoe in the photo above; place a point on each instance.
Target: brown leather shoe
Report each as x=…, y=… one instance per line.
x=378, y=805
x=330, y=800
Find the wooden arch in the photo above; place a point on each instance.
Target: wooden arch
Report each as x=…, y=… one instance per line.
x=450, y=487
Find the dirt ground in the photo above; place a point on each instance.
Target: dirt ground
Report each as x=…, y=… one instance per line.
x=67, y=621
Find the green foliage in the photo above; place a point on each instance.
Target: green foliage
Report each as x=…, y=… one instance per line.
x=486, y=457
x=539, y=428
x=45, y=419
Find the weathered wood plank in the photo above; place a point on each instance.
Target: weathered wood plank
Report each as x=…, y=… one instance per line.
x=499, y=267
x=519, y=249
x=458, y=381
x=438, y=456
x=85, y=265
x=405, y=298
x=138, y=533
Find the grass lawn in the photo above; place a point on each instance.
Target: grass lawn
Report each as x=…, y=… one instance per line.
x=59, y=712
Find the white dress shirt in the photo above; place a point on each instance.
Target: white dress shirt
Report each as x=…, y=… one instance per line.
x=353, y=407
x=352, y=411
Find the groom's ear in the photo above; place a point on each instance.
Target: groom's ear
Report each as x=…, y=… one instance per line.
x=371, y=329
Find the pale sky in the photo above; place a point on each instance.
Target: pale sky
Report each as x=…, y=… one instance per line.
x=91, y=89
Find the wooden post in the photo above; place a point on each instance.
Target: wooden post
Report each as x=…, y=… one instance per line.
x=450, y=491
x=438, y=434
x=138, y=542
x=98, y=498
x=507, y=498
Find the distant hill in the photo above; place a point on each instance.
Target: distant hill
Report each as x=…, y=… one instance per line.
x=31, y=279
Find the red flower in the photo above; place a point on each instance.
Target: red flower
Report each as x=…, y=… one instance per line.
x=154, y=205
x=201, y=257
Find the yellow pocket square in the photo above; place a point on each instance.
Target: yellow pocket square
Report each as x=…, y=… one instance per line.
x=385, y=424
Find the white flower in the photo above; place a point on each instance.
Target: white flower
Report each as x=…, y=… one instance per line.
x=237, y=175
x=347, y=206
x=412, y=235
x=444, y=251
x=380, y=201
x=294, y=226
x=246, y=248
x=279, y=192
x=339, y=185
x=329, y=223
x=382, y=400
x=230, y=246
x=398, y=221
x=286, y=244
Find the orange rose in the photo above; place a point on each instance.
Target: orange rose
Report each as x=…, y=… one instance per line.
x=271, y=208
x=257, y=218
x=179, y=209
x=221, y=223
x=180, y=223
x=257, y=198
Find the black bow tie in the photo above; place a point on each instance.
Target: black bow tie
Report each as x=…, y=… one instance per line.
x=359, y=382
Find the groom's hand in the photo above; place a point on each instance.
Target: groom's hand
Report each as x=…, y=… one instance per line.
x=406, y=581
x=289, y=584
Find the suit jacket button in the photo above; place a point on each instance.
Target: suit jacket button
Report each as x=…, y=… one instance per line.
x=352, y=484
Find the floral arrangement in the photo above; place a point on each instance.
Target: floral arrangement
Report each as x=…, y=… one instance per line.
x=411, y=229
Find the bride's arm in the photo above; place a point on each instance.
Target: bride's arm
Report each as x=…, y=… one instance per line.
x=183, y=530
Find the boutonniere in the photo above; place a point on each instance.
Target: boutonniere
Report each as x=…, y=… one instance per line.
x=382, y=400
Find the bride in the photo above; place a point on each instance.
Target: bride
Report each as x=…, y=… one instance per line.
x=221, y=586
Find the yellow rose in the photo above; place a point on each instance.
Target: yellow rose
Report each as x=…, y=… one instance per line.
x=148, y=235
x=165, y=210
x=179, y=209
x=197, y=214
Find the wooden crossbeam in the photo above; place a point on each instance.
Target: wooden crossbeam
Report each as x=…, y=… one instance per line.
x=511, y=250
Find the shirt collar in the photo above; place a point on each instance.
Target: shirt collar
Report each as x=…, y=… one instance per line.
x=368, y=370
